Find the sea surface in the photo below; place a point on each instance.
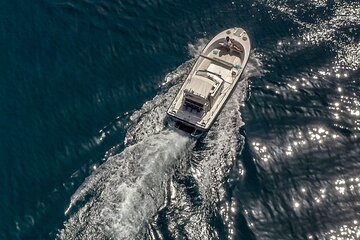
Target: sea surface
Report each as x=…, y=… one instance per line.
x=85, y=153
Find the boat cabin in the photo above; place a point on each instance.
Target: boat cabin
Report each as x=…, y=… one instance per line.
x=202, y=91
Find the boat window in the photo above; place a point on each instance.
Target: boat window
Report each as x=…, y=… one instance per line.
x=193, y=105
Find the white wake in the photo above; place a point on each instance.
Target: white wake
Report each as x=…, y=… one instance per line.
x=127, y=189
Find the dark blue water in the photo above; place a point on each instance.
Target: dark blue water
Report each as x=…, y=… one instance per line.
x=84, y=153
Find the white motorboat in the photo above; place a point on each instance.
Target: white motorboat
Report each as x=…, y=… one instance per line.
x=210, y=82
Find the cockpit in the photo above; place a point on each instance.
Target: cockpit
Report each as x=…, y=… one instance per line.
x=202, y=91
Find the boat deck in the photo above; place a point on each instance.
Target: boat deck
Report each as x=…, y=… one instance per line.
x=218, y=64
x=221, y=61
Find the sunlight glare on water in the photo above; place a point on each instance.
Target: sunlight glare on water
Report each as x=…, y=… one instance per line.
x=87, y=153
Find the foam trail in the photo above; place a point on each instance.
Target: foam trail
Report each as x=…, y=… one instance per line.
x=196, y=48
x=129, y=188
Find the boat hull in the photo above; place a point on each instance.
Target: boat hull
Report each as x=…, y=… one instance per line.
x=183, y=126
x=212, y=80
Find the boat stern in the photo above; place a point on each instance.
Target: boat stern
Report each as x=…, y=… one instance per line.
x=184, y=126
